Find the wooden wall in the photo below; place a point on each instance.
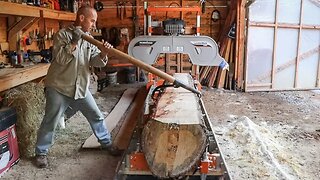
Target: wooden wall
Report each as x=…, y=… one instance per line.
x=114, y=15
x=108, y=17
x=3, y=37
x=42, y=25
x=120, y=17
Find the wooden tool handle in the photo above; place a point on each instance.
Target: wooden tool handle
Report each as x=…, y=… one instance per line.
x=139, y=63
x=133, y=60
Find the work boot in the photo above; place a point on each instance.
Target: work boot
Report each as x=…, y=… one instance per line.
x=112, y=150
x=41, y=161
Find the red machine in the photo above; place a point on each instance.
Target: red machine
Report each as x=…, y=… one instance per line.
x=9, y=152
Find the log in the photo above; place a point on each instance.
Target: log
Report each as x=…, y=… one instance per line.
x=173, y=139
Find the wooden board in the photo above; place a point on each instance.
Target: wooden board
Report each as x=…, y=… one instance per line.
x=11, y=77
x=111, y=121
x=8, y=8
x=135, y=112
x=173, y=139
x=3, y=30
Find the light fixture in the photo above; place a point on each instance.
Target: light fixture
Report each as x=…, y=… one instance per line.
x=215, y=15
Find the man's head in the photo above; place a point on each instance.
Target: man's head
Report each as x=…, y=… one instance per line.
x=86, y=18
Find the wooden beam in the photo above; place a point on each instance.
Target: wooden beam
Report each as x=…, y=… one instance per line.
x=318, y=77
x=274, y=52
x=14, y=31
x=11, y=77
x=283, y=25
x=4, y=46
x=240, y=38
x=222, y=73
x=31, y=24
x=296, y=75
x=180, y=63
x=20, y=25
x=16, y=9
x=60, y=15
x=167, y=62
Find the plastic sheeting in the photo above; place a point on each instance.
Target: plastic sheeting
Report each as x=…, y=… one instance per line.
x=272, y=50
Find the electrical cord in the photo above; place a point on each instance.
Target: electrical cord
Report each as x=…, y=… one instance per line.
x=170, y=6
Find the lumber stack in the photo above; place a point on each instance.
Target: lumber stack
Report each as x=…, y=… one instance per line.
x=173, y=139
x=215, y=76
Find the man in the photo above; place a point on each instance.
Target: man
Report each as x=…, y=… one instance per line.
x=67, y=84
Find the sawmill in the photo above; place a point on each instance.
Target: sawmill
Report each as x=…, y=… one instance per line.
x=147, y=89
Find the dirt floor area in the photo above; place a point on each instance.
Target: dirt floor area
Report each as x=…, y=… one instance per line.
x=263, y=135
x=267, y=135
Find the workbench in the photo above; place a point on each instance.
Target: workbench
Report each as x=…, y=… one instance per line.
x=11, y=77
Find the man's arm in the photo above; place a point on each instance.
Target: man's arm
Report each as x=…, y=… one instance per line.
x=64, y=50
x=99, y=57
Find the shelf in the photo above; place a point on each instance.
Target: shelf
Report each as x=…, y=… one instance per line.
x=59, y=15
x=96, y=34
x=15, y=9
x=11, y=77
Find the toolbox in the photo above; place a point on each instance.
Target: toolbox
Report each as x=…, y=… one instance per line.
x=9, y=151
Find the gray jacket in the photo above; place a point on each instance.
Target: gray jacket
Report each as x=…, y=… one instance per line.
x=69, y=72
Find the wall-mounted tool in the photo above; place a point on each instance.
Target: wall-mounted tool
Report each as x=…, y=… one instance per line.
x=232, y=31
x=215, y=15
x=98, y=6
x=46, y=55
x=203, y=6
x=27, y=41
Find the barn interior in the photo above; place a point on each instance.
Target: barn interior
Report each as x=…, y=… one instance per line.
x=192, y=89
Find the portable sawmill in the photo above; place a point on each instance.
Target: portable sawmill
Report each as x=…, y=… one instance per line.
x=174, y=137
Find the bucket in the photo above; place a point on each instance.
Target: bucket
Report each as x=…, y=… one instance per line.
x=112, y=78
x=131, y=75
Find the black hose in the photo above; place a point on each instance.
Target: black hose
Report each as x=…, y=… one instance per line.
x=203, y=7
x=180, y=84
x=160, y=89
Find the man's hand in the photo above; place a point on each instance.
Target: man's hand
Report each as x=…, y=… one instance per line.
x=104, y=51
x=76, y=35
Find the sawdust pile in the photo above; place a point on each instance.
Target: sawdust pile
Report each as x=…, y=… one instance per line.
x=29, y=101
x=254, y=151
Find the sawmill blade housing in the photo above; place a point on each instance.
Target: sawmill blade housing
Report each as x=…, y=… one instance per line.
x=202, y=50
x=173, y=138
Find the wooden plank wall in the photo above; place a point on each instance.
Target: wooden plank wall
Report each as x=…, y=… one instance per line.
x=108, y=17
x=42, y=25
x=3, y=37
x=121, y=17
x=114, y=15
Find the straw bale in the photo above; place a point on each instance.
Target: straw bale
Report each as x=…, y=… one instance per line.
x=29, y=101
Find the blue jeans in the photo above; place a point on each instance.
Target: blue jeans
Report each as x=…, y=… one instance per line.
x=56, y=105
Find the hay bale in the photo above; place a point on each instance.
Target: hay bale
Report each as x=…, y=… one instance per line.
x=29, y=101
